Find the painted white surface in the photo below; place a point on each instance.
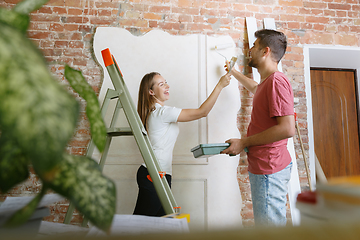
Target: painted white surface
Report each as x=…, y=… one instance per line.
x=205, y=188
x=251, y=26
x=325, y=56
x=294, y=185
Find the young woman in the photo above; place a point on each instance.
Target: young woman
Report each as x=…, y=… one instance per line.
x=160, y=121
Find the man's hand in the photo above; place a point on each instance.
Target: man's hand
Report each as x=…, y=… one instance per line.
x=227, y=67
x=236, y=147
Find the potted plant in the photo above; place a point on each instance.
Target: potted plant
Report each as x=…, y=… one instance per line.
x=38, y=117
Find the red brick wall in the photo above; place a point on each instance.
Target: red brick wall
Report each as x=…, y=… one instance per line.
x=63, y=30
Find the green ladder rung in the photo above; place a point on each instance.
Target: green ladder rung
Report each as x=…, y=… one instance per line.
x=116, y=132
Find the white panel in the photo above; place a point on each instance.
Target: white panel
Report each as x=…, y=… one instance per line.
x=202, y=83
x=346, y=57
x=225, y=212
x=126, y=192
x=222, y=200
x=269, y=23
x=251, y=27
x=294, y=184
x=194, y=190
x=222, y=126
x=222, y=118
x=126, y=186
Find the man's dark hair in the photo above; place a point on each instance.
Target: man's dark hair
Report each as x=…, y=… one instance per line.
x=275, y=40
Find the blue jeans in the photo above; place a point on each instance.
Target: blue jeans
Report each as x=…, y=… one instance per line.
x=268, y=193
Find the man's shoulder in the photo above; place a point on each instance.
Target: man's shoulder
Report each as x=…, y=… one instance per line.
x=280, y=78
x=280, y=75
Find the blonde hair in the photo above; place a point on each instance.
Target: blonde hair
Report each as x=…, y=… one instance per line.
x=146, y=103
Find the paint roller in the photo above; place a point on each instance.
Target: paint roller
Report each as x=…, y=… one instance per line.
x=229, y=64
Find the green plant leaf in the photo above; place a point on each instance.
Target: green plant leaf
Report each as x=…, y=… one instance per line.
x=93, y=112
x=37, y=119
x=80, y=180
x=22, y=215
x=36, y=112
x=14, y=19
x=28, y=6
x=13, y=165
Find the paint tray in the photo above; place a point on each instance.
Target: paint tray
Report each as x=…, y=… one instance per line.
x=207, y=150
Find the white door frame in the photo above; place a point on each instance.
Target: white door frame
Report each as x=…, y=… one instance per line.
x=325, y=56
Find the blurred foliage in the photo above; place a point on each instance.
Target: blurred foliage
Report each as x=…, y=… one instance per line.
x=38, y=117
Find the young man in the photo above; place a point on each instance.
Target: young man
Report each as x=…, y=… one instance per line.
x=272, y=122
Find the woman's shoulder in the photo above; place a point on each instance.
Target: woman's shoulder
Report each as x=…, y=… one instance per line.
x=165, y=108
x=159, y=109
x=169, y=113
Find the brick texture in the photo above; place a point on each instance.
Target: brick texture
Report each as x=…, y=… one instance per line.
x=63, y=30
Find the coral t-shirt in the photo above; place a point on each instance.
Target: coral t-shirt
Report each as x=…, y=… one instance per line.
x=273, y=98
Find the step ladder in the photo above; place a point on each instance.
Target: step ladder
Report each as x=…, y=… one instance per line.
x=136, y=129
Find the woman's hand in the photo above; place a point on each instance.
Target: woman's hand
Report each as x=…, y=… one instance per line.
x=224, y=81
